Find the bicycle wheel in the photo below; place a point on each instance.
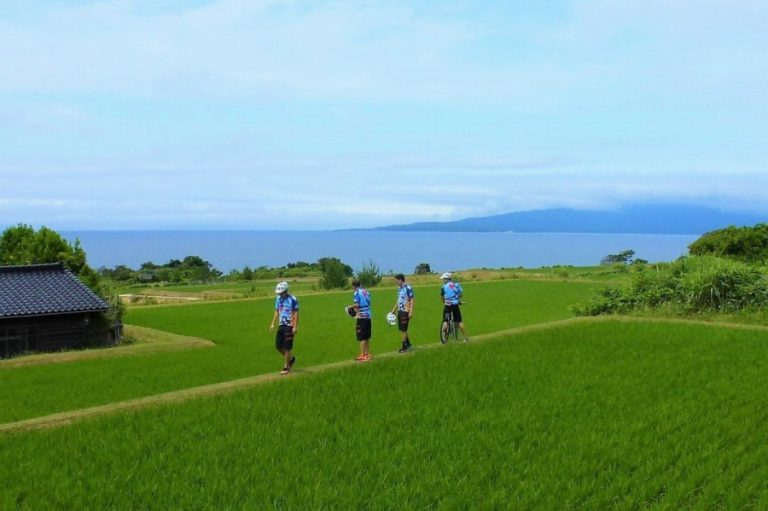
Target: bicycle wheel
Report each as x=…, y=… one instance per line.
x=445, y=331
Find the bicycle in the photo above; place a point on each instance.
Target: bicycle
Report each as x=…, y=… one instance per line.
x=449, y=328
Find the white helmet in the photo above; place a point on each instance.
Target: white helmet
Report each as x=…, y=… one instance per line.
x=391, y=318
x=282, y=287
x=447, y=275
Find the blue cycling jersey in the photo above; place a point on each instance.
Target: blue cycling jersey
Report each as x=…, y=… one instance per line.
x=285, y=307
x=363, y=301
x=404, y=294
x=451, y=293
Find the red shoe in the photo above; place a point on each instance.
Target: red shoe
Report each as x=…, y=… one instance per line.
x=368, y=356
x=360, y=358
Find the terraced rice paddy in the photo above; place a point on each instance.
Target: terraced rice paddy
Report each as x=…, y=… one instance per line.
x=583, y=414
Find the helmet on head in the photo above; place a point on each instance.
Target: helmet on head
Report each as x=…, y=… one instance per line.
x=391, y=318
x=282, y=287
x=447, y=275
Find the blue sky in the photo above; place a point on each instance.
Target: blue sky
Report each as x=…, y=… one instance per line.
x=257, y=114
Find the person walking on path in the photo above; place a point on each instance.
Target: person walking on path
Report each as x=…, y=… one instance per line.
x=404, y=309
x=287, y=314
x=362, y=307
x=451, y=293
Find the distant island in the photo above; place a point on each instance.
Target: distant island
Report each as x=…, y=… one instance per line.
x=636, y=219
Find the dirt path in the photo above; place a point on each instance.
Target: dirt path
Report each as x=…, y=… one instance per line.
x=178, y=396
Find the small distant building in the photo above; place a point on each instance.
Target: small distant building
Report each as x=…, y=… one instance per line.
x=44, y=307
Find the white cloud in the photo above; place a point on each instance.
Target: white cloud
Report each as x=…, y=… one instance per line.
x=118, y=113
x=248, y=49
x=385, y=51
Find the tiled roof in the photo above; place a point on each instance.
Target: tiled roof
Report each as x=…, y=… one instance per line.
x=44, y=289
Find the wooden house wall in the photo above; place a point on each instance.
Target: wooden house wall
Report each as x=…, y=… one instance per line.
x=45, y=333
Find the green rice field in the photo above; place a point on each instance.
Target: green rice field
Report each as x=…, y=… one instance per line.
x=244, y=346
x=592, y=415
x=533, y=413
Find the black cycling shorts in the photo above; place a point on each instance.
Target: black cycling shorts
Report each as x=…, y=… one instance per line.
x=454, y=312
x=403, y=318
x=363, y=329
x=284, y=338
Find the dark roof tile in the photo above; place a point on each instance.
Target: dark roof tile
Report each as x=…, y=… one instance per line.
x=44, y=289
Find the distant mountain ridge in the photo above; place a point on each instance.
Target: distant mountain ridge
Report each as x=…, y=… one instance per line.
x=637, y=219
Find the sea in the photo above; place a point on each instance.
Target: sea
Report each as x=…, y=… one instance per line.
x=390, y=251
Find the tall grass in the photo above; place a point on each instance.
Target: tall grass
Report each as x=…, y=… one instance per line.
x=604, y=415
x=696, y=284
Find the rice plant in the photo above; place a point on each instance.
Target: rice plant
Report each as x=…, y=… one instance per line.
x=596, y=415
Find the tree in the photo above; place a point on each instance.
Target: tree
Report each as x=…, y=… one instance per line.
x=325, y=262
x=16, y=245
x=624, y=257
x=191, y=269
x=23, y=245
x=120, y=273
x=369, y=275
x=749, y=244
x=422, y=269
x=335, y=273
x=196, y=269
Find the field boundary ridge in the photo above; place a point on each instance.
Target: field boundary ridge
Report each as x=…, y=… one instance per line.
x=150, y=341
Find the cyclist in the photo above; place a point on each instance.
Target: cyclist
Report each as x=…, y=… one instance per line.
x=404, y=308
x=451, y=293
x=362, y=308
x=287, y=313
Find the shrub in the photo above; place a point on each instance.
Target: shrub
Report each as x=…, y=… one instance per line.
x=689, y=285
x=369, y=275
x=607, y=301
x=422, y=269
x=335, y=273
x=624, y=257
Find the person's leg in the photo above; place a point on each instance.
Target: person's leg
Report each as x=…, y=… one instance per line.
x=363, y=337
x=367, y=340
x=284, y=344
x=289, y=358
x=279, y=342
x=404, y=319
x=363, y=351
x=447, y=316
x=360, y=339
x=286, y=356
x=459, y=320
x=358, y=334
x=406, y=344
